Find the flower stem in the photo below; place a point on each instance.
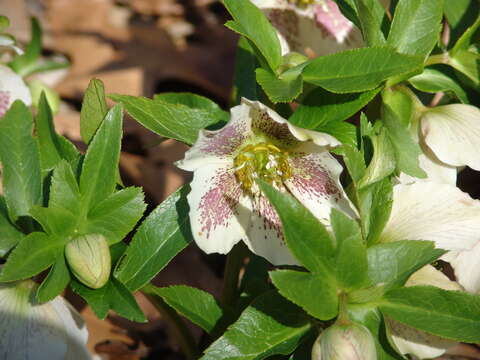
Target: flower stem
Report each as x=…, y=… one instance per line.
x=231, y=275
x=174, y=321
x=437, y=59
x=343, y=318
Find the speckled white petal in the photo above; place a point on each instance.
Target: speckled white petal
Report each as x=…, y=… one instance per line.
x=219, y=146
x=436, y=212
x=12, y=87
x=412, y=341
x=466, y=265
x=435, y=170
x=219, y=211
x=265, y=237
x=49, y=331
x=452, y=132
x=319, y=138
x=315, y=182
x=8, y=42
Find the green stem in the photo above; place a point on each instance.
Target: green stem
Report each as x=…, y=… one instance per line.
x=174, y=321
x=231, y=275
x=343, y=318
x=437, y=59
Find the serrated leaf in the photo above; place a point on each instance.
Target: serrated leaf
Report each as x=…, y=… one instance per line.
x=359, y=70
x=114, y=295
x=11, y=235
x=371, y=24
x=20, y=161
x=316, y=294
x=35, y=253
x=100, y=167
x=94, y=109
x=55, y=282
x=310, y=243
x=436, y=80
x=178, y=122
x=250, y=22
x=162, y=235
x=193, y=101
x=391, y=264
x=416, y=26
x=380, y=199
x=116, y=216
x=449, y=314
x=278, y=89
x=196, y=305
x=270, y=325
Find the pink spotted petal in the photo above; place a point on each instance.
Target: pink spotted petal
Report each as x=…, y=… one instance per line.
x=315, y=182
x=219, y=212
x=265, y=237
x=219, y=146
x=329, y=17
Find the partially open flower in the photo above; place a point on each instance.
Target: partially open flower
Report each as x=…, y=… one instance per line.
x=310, y=27
x=89, y=259
x=30, y=331
x=226, y=204
x=345, y=342
x=12, y=88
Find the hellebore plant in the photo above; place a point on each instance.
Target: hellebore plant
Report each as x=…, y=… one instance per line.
x=337, y=166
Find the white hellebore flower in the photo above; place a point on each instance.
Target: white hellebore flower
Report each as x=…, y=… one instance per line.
x=226, y=205
x=310, y=25
x=29, y=331
x=12, y=88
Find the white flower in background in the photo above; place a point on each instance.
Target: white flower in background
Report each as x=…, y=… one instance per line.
x=29, y=331
x=307, y=26
x=8, y=43
x=409, y=340
x=12, y=88
x=226, y=205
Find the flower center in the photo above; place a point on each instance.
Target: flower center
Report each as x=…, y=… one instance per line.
x=261, y=161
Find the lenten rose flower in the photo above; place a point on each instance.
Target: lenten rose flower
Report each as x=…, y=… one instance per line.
x=12, y=88
x=307, y=26
x=30, y=331
x=226, y=204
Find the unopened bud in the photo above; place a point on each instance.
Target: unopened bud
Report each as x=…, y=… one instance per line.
x=345, y=342
x=89, y=259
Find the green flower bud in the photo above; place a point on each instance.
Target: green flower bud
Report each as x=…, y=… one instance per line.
x=345, y=342
x=89, y=259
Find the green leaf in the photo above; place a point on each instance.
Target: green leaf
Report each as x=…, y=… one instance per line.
x=52, y=147
x=194, y=101
x=416, y=26
x=162, y=235
x=383, y=162
x=449, y=314
x=116, y=216
x=100, y=166
x=324, y=111
x=178, y=122
x=270, y=325
x=250, y=22
x=20, y=161
x=360, y=69
x=466, y=40
x=380, y=200
x=354, y=161
x=64, y=190
x=94, y=109
x=349, y=10
x=310, y=243
x=468, y=63
x=11, y=235
x=391, y=264
x=371, y=25
x=279, y=89
x=316, y=294
x=114, y=295
x=196, y=305
x=406, y=150
x=436, y=80
x=460, y=15
x=55, y=282
x=55, y=221
x=35, y=253
x=351, y=253
x=245, y=84
x=24, y=64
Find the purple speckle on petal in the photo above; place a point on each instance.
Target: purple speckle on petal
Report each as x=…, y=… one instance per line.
x=270, y=219
x=264, y=123
x=218, y=205
x=4, y=102
x=226, y=140
x=330, y=19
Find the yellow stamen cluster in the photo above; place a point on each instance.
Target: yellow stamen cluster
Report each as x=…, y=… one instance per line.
x=261, y=161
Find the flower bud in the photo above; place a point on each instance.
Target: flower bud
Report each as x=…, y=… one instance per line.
x=345, y=342
x=89, y=259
